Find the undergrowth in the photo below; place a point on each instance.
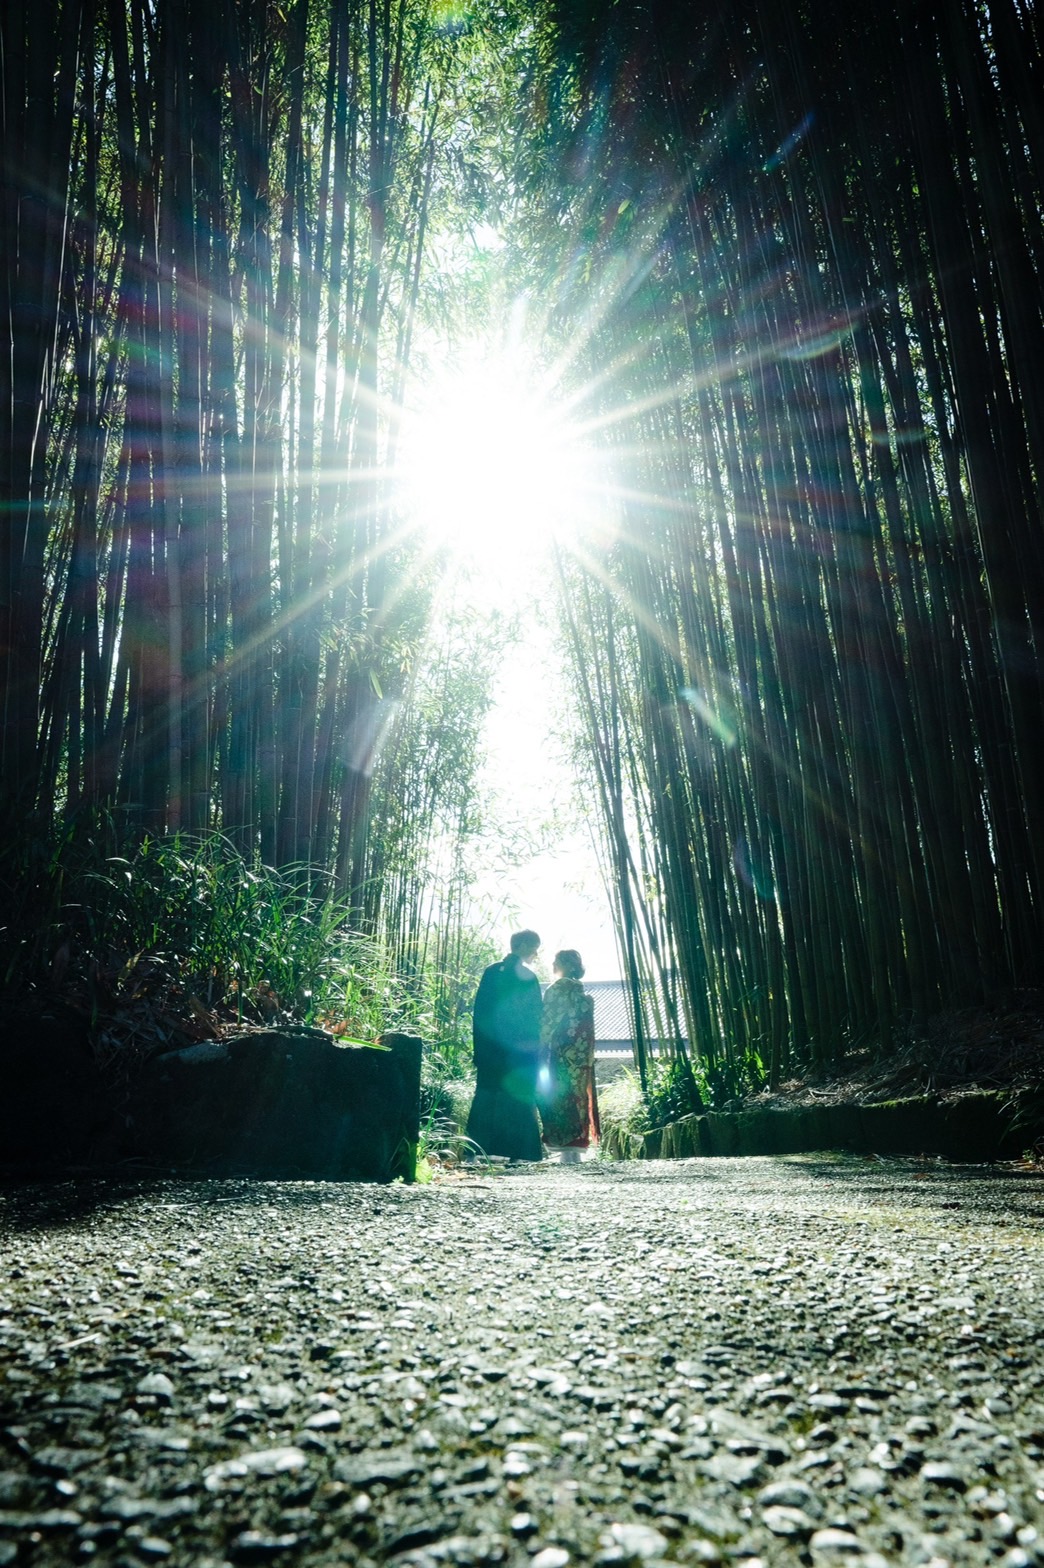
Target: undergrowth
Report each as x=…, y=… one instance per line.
x=185, y=939
x=673, y=1091
x=622, y=1107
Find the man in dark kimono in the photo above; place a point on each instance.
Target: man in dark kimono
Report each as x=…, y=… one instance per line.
x=506, y=1034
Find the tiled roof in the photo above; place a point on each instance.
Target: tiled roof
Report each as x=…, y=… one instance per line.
x=612, y=1013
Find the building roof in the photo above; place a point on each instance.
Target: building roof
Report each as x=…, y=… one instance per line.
x=612, y=1014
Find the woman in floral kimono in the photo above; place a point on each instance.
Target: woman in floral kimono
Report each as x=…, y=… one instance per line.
x=568, y=1107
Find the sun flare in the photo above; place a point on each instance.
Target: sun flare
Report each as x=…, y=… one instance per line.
x=488, y=458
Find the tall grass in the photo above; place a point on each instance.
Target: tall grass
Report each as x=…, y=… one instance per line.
x=242, y=934
x=186, y=936
x=219, y=934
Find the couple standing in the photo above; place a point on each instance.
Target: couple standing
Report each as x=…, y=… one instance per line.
x=517, y=1034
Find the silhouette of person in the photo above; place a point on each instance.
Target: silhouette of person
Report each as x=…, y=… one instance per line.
x=569, y=1103
x=506, y=1034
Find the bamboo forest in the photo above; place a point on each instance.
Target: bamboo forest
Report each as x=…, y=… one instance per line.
x=766, y=282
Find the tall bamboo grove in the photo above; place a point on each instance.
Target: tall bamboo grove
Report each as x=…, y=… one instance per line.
x=810, y=665
x=213, y=230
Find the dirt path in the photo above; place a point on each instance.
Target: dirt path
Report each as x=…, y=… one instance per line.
x=762, y=1361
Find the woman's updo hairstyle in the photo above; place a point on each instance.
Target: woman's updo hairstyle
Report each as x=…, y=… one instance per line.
x=569, y=964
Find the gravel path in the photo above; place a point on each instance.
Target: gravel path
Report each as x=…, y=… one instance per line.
x=812, y=1360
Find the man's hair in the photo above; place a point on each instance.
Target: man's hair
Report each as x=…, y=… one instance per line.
x=524, y=943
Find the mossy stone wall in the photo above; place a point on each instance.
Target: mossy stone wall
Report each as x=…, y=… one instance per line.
x=974, y=1127
x=280, y=1104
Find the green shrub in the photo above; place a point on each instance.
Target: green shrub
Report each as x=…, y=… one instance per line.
x=268, y=944
x=444, y=1097
x=184, y=934
x=672, y=1091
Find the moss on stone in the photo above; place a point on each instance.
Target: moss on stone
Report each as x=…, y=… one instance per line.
x=976, y=1127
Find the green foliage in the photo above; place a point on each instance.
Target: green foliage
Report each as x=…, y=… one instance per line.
x=271, y=943
x=185, y=935
x=672, y=1091
x=622, y=1107
x=445, y=1094
x=444, y=1144
x=426, y=808
x=190, y=922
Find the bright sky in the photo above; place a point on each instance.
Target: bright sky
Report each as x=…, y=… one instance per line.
x=558, y=890
x=494, y=472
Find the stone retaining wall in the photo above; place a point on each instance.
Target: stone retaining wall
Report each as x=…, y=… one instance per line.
x=283, y=1103
x=974, y=1127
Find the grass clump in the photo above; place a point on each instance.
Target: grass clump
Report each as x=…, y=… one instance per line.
x=184, y=939
x=240, y=937
x=623, y=1112
x=627, y=1114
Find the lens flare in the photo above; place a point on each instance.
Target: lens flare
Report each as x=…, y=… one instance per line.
x=489, y=462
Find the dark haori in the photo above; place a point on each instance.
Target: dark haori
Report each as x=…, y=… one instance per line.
x=506, y=1032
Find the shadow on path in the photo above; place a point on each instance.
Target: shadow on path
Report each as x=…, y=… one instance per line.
x=998, y=1192
x=39, y=1205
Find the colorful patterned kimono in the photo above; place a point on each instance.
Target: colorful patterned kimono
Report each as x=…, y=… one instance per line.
x=568, y=1107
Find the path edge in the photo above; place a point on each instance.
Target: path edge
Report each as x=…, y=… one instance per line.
x=971, y=1128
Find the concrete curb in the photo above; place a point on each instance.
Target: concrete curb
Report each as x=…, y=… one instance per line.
x=974, y=1127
